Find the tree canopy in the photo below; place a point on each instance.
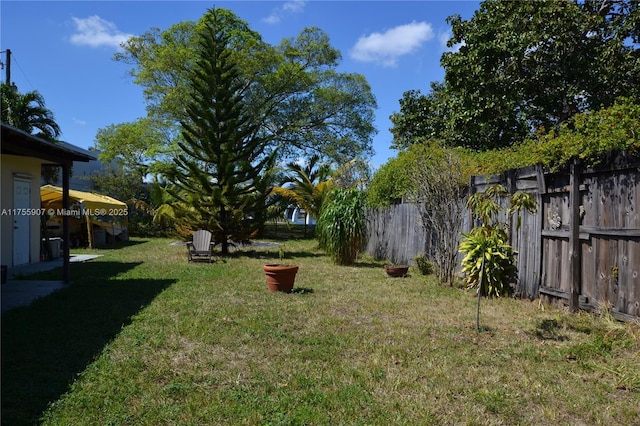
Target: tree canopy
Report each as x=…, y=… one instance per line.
x=523, y=67
x=301, y=103
x=223, y=160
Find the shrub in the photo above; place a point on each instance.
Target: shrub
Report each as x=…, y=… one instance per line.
x=342, y=226
x=425, y=265
x=489, y=260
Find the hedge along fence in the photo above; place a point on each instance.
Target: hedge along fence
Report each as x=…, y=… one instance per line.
x=581, y=248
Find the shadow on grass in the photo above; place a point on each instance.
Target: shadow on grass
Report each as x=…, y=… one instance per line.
x=47, y=344
x=117, y=245
x=284, y=231
x=273, y=253
x=269, y=254
x=375, y=265
x=302, y=290
x=84, y=272
x=549, y=329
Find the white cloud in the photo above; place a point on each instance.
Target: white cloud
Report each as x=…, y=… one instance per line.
x=387, y=47
x=293, y=6
x=274, y=18
x=79, y=121
x=444, y=38
x=95, y=31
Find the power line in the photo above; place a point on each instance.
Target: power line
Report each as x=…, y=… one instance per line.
x=22, y=71
x=10, y=60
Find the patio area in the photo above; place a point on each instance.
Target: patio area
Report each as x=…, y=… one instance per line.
x=18, y=292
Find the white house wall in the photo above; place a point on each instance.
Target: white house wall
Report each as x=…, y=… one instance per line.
x=10, y=165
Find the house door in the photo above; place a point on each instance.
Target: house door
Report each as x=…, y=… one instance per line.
x=21, y=221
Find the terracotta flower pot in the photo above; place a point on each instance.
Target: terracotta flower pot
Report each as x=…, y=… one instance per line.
x=396, y=270
x=280, y=277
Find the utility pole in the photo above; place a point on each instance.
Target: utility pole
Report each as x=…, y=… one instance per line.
x=8, y=72
x=8, y=66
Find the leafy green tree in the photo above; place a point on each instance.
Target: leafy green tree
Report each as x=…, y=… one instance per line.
x=422, y=117
x=118, y=182
x=292, y=89
x=126, y=185
x=143, y=146
x=223, y=159
x=391, y=183
x=28, y=112
x=526, y=66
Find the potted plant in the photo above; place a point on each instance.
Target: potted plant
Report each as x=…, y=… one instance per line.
x=280, y=276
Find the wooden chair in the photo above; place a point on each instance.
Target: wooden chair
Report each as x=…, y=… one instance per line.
x=201, y=247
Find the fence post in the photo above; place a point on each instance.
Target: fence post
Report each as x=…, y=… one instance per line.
x=574, y=236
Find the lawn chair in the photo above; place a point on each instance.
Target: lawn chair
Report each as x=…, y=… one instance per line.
x=201, y=248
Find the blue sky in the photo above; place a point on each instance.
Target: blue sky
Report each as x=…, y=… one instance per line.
x=64, y=50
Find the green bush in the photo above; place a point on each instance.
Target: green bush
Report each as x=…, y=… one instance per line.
x=342, y=226
x=424, y=264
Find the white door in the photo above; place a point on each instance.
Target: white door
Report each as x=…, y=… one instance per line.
x=21, y=221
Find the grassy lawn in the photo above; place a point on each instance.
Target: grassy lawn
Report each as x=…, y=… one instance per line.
x=142, y=337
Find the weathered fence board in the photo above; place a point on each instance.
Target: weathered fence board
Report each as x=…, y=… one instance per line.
x=396, y=234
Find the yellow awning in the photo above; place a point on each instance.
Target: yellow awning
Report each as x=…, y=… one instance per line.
x=52, y=199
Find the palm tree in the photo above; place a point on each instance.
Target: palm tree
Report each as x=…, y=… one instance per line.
x=28, y=112
x=311, y=184
x=166, y=211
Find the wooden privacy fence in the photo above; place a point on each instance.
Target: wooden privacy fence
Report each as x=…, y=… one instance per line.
x=581, y=248
x=395, y=233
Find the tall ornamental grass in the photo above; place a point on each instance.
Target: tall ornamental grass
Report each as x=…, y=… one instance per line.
x=342, y=226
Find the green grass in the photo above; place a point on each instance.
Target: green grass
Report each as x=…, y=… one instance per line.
x=142, y=337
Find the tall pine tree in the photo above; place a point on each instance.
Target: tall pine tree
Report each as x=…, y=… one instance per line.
x=223, y=163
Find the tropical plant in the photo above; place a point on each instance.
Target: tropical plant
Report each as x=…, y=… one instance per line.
x=490, y=261
x=311, y=183
x=342, y=226
x=28, y=112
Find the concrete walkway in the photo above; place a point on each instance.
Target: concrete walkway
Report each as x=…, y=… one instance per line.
x=16, y=292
